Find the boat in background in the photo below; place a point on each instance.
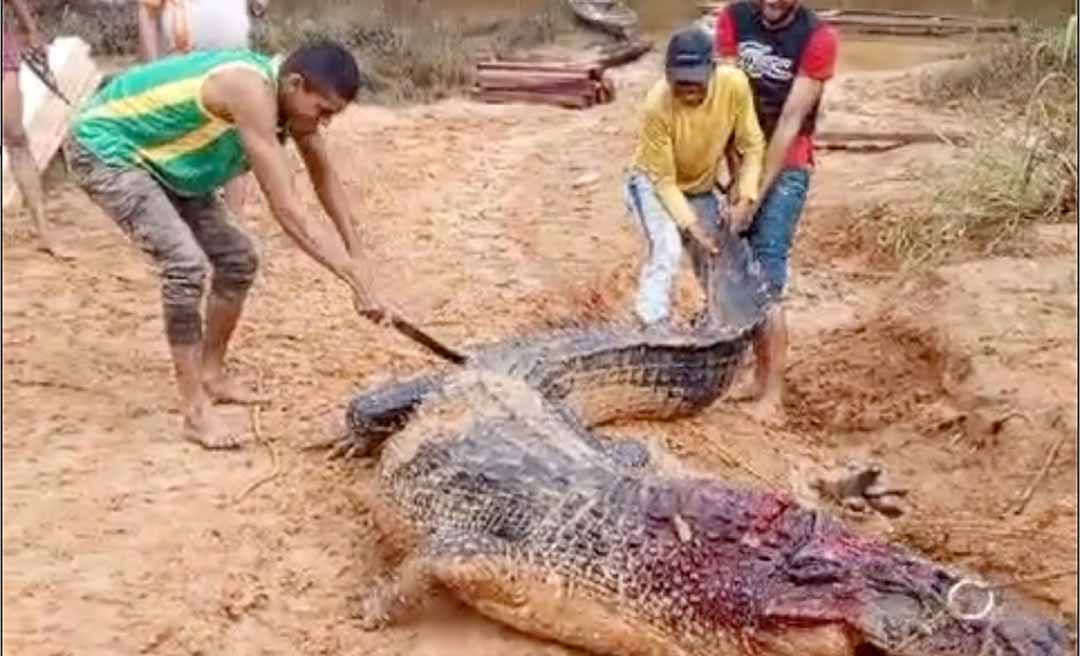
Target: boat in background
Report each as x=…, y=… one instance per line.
x=611, y=16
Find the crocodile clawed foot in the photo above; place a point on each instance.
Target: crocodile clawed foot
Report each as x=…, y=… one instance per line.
x=352, y=445
x=369, y=608
x=390, y=599
x=861, y=487
x=629, y=453
x=371, y=614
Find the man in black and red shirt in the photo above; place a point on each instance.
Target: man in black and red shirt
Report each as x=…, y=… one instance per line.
x=788, y=54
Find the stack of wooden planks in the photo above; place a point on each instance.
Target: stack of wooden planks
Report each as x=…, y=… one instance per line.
x=570, y=85
x=904, y=23
x=915, y=23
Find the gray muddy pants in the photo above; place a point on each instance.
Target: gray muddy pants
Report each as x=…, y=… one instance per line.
x=183, y=236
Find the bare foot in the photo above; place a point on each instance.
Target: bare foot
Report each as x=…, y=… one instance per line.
x=746, y=394
x=208, y=431
x=750, y=391
x=222, y=389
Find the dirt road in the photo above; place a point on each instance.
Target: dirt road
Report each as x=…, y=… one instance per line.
x=121, y=539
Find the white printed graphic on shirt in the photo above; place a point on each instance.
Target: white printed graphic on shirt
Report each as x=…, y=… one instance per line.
x=756, y=60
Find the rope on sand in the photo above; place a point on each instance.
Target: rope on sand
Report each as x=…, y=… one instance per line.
x=256, y=428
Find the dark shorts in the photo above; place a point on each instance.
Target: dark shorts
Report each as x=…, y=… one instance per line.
x=772, y=232
x=182, y=235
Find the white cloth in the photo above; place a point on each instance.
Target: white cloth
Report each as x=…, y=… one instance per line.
x=212, y=24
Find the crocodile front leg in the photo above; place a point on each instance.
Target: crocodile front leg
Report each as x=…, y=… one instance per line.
x=627, y=452
x=392, y=599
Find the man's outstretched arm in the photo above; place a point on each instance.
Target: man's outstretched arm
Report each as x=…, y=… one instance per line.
x=800, y=102
x=328, y=188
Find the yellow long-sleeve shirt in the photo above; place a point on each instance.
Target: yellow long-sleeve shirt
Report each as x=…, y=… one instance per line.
x=680, y=146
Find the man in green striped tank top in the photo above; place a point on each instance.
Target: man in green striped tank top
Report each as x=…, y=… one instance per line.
x=153, y=147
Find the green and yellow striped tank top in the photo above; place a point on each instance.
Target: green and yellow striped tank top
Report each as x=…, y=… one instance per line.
x=152, y=116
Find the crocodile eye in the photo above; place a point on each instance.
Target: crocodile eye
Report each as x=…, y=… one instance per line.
x=806, y=570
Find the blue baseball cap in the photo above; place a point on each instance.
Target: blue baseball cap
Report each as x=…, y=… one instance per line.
x=690, y=56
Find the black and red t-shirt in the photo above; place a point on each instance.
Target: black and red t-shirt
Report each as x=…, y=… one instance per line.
x=773, y=58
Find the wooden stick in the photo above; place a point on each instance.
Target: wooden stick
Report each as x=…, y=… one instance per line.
x=862, y=149
x=1051, y=455
x=573, y=87
x=919, y=30
x=489, y=78
x=900, y=16
x=906, y=137
x=900, y=22
x=589, y=69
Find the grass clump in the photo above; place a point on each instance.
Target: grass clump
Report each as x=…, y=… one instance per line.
x=1021, y=167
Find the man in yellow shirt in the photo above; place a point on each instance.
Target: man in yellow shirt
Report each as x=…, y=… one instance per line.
x=690, y=116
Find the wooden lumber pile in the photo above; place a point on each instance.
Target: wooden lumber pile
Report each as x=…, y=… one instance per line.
x=570, y=85
x=914, y=23
x=903, y=23
x=45, y=116
x=876, y=142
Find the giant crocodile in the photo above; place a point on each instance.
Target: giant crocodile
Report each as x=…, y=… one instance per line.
x=604, y=373
x=491, y=485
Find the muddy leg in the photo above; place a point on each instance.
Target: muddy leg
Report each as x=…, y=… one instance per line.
x=771, y=236
x=770, y=351
x=146, y=214
x=235, y=263
x=390, y=601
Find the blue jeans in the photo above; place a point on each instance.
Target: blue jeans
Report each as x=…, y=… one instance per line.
x=772, y=231
x=666, y=243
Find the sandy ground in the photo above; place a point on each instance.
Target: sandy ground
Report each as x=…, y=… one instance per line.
x=120, y=539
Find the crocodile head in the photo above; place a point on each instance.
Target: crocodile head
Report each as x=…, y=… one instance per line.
x=902, y=624
x=898, y=605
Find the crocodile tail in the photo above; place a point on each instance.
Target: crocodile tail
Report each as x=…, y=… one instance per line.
x=737, y=293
